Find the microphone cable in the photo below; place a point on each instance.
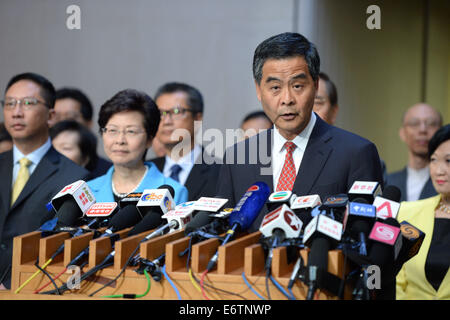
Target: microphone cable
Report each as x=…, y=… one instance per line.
x=133, y=295
x=171, y=282
x=251, y=287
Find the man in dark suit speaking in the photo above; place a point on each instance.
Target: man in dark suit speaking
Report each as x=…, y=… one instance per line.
x=33, y=172
x=301, y=153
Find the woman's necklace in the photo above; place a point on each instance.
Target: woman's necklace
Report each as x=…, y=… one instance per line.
x=444, y=208
x=123, y=195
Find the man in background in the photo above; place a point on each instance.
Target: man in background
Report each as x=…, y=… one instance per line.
x=33, y=171
x=181, y=105
x=419, y=123
x=73, y=104
x=254, y=122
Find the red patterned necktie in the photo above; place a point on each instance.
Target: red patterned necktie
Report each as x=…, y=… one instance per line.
x=288, y=173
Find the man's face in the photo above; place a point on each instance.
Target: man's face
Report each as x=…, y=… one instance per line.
x=69, y=109
x=287, y=93
x=322, y=105
x=419, y=124
x=184, y=119
x=26, y=123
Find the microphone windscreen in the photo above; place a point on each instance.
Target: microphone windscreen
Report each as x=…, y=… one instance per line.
x=382, y=254
x=201, y=219
x=318, y=254
x=168, y=187
x=125, y=218
x=360, y=200
x=392, y=193
x=68, y=213
x=150, y=221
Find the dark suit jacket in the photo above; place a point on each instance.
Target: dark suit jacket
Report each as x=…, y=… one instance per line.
x=398, y=179
x=201, y=181
x=53, y=172
x=333, y=160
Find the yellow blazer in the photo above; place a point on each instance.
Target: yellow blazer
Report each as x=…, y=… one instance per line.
x=412, y=283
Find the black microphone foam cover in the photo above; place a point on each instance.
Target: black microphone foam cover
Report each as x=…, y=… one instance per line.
x=392, y=193
x=168, y=187
x=150, y=221
x=382, y=254
x=201, y=219
x=68, y=213
x=125, y=218
x=318, y=255
x=361, y=225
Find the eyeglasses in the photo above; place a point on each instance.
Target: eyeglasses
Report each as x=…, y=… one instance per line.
x=175, y=113
x=114, y=132
x=26, y=103
x=415, y=124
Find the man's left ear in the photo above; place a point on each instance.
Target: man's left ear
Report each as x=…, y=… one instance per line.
x=198, y=116
x=51, y=118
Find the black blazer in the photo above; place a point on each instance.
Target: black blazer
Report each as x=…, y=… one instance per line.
x=53, y=172
x=201, y=181
x=333, y=160
x=398, y=179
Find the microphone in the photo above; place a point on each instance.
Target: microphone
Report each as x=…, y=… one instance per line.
x=72, y=202
x=243, y=215
x=278, y=225
x=158, y=200
x=364, y=189
x=361, y=217
x=320, y=235
x=304, y=205
x=388, y=204
x=277, y=199
x=412, y=239
x=204, y=206
x=386, y=243
x=130, y=199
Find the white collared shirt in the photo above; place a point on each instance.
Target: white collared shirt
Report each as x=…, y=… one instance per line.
x=416, y=180
x=186, y=163
x=35, y=157
x=279, y=151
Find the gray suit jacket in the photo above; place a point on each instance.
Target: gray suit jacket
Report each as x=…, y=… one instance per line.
x=398, y=179
x=52, y=173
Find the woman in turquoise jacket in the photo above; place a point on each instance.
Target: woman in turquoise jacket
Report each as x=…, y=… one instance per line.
x=128, y=123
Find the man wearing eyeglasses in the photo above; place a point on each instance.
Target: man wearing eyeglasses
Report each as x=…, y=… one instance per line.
x=181, y=105
x=33, y=171
x=419, y=123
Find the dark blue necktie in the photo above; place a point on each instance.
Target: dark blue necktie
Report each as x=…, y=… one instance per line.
x=175, y=172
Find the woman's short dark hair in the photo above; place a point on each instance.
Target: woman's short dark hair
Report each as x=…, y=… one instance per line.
x=283, y=46
x=132, y=100
x=87, y=141
x=439, y=137
x=47, y=88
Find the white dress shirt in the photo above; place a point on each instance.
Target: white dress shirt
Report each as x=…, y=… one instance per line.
x=35, y=157
x=186, y=163
x=279, y=151
x=415, y=181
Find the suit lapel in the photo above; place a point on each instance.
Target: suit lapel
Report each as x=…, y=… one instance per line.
x=315, y=156
x=196, y=179
x=159, y=162
x=46, y=167
x=263, y=170
x=6, y=168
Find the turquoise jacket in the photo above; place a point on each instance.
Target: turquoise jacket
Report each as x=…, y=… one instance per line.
x=102, y=186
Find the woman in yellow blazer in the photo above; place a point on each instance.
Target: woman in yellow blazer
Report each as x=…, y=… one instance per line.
x=426, y=276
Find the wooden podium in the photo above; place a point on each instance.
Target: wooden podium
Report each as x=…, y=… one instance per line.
x=243, y=255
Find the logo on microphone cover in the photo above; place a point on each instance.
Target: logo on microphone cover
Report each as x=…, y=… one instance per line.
x=385, y=233
x=410, y=232
x=253, y=188
x=293, y=223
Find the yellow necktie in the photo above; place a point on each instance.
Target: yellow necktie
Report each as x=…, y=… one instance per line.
x=21, y=180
